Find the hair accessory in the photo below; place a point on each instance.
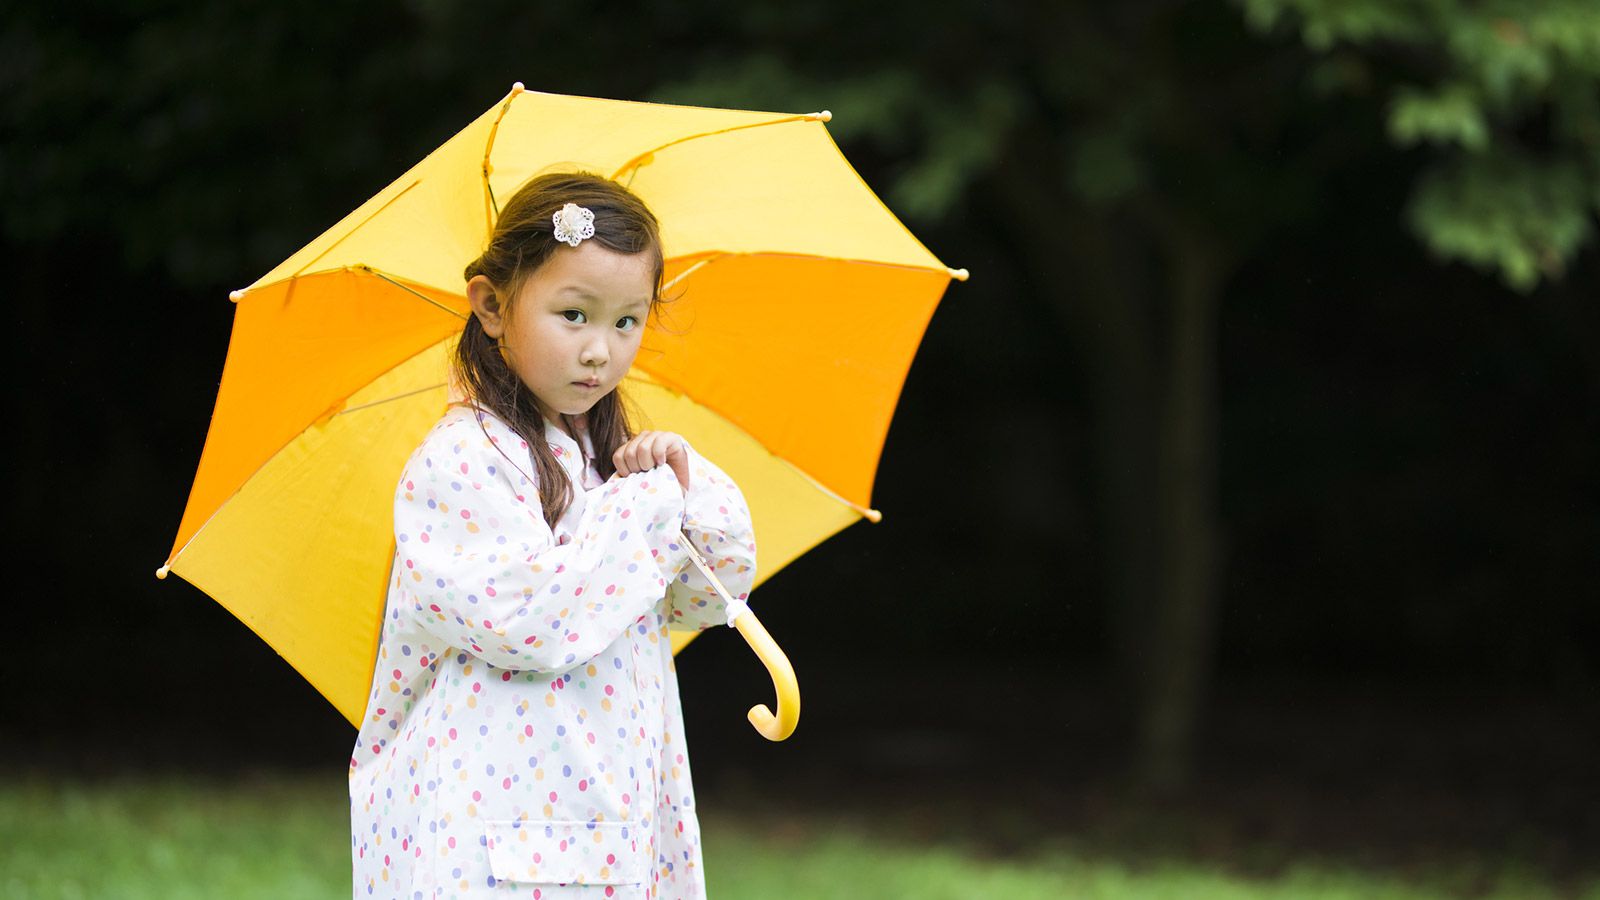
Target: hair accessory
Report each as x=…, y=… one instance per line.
x=573, y=224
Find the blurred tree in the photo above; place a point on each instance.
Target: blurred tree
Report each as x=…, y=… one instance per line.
x=1505, y=96
x=1136, y=153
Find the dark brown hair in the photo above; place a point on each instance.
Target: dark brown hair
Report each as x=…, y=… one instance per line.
x=523, y=240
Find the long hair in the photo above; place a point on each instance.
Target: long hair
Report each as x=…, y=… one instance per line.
x=523, y=240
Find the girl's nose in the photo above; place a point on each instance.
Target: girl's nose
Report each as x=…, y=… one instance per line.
x=594, y=353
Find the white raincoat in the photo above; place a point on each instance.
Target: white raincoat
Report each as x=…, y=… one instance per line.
x=524, y=736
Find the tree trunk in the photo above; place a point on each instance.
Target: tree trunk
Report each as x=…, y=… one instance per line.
x=1098, y=284
x=1178, y=663
x=1147, y=347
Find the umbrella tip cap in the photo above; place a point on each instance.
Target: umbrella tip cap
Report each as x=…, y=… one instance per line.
x=236, y=296
x=517, y=88
x=874, y=516
x=958, y=274
x=824, y=116
x=162, y=572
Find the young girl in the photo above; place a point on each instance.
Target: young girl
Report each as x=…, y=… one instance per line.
x=524, y=736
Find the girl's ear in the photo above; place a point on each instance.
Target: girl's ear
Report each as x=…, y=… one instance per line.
x=486, y=306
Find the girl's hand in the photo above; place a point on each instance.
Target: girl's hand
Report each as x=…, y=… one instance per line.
x=649, y=449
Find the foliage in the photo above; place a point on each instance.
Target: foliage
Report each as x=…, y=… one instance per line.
x=1506, y=94
x=184, y=132
x=1500, y=104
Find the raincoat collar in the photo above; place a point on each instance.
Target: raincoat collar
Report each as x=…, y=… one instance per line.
x=573, y=457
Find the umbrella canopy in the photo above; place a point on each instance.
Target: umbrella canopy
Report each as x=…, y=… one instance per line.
x=803, y=300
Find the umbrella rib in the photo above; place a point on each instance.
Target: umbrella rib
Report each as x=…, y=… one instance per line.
x=167, y=566
x=715, y=255
x=356, y=267
x=689, y=271
x=645, y=157
x=354, y=228
x=421, y=390
x=491, y=207
x=868, y=513
x=649, y=377
x=412, y=290
x=162, y=572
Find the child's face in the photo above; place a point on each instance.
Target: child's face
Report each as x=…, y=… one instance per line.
x=574, y=329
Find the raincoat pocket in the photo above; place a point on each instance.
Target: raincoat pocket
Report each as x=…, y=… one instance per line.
x=564, y=852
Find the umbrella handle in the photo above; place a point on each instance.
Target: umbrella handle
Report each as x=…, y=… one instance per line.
x=773, y=726
x=780, y=726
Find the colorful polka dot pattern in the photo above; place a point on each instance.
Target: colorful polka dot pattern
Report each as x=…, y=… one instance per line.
x=524, y=736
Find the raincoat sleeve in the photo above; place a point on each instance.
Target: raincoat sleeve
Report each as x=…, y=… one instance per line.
x=717, y=521
x=483, y=573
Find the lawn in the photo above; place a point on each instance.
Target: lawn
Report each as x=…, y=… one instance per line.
x=286, y=837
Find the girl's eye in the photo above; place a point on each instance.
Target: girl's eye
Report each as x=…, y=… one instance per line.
x=573, y=315
x=627, y=323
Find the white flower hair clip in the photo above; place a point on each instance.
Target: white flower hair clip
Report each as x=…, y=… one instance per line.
x=574, y=223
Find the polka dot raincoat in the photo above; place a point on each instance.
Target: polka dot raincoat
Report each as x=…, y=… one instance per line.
x=524, y=736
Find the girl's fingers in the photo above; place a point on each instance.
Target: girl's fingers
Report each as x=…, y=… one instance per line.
x=645, y=451
x=650, y=449
x=623, y=459
x=641, y=451
x=678, y=459
x=625, y=453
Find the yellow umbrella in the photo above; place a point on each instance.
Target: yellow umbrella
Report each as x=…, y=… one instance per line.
x=804, y=300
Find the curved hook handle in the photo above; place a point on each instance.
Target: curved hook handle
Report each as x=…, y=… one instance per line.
x=780, y=726
x=773, y=726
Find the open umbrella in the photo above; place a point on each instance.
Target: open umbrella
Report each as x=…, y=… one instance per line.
x=803, y=302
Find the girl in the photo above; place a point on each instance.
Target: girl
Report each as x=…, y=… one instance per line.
x=524, y=736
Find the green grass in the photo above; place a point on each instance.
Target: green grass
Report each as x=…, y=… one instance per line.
x=174, y=840
x=847, y=859
x=288, y=838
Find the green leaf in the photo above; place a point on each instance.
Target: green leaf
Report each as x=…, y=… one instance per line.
x=1324, y=23
x=1503, y=212
x=965, y=137
x=1450, y=114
